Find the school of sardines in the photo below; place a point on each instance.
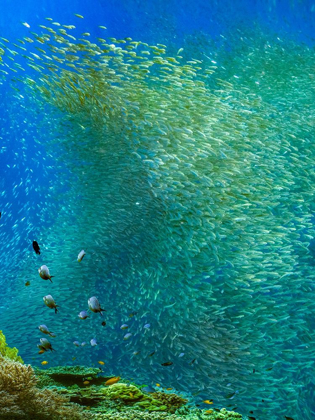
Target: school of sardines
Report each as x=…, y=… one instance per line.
x=190, y=183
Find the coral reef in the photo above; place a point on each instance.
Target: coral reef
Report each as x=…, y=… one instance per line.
x=123, y=400
x=21, y=399
x=171, y=401
x=6, y=351
x=68, y=376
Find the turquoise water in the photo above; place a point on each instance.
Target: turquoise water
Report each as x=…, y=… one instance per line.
x=181, y=160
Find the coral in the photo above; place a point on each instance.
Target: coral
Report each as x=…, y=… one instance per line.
x=171, y=401
x=68, y=376
x=6, y=351
x=124, y=392
x=120, y=401
x=20, y=398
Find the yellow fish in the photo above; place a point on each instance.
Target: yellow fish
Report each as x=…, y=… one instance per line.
x=27, y=283
x=112, y=381
x=86, y=382
x=208, y=412
x=44, y=362
x=169, y=389
x=208, y=401
x=101, y=363
x=79, y=16
x=157, y=384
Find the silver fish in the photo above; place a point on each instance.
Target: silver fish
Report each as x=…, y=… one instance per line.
x=94, y=305
x=44, y=343
x=83, y=315
x=81, y=255
x=93, y=342
x=50, y=302
x=44, y=273
x=43, y=328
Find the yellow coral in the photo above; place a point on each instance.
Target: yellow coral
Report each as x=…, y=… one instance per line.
x=5, y=350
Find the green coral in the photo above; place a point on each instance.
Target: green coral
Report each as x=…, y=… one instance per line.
x=124, y=392
x=6, y=351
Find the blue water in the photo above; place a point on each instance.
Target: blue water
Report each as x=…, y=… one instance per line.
x=39, y=186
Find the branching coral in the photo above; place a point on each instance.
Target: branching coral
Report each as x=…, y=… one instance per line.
x=5, y=350
x=20, y=399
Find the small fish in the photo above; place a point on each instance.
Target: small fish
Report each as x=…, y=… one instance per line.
x=83, y=315
x=73, y=358
x=157, y=384
x=43, y=328
x=288, y=418
x=100, y=362
x=136, y=352
x=151, y=354
x=36, y=247
x=81, y=255
x=132, y=314
x=83, y=344
x=103, y=323
x=192, y=362
x=44, y=362
x=45, y=344
x=94, y=305
x=267, y=370
x=167, y=364
x=26, y=24
x=79, y=16
x=93, y=342
x=124, y=327
x=208, y=401
x=0, y=214
x=44, y=273
x=41, y=351
x=127, y=336
x=230, y=396
x=76, y=343
x=27, y=283
x=181, y=355
x=208, y=411
x=86, y=382
x=147, y=326
x=49, y=301
x=169, y=389
x=148, y=389
x=112, y=381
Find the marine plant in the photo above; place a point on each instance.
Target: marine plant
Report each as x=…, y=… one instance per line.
x=6, y=351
